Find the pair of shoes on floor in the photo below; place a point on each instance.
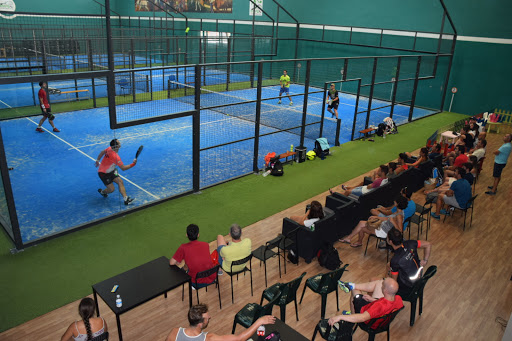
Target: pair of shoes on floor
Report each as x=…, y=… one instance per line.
x=491, y=192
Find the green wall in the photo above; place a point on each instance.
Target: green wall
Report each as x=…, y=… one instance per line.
x=58, y=6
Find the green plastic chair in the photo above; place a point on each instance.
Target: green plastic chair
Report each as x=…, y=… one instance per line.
x=253, y=311
x=341, y=331
x=323, y=284
x=288, y=293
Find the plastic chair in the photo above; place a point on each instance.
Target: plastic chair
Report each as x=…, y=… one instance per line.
x=205, y=274
x=323, y=284
x=288, y=294
x=469, y=205
x=264, y=252
x=379, y=240
x=479, y=166
x=384, y=323
x=417, y=292
x=231, y=273
x=419, y=218
x=101, y=337
x=341, y=331
x=253, y=311
x=288, y=242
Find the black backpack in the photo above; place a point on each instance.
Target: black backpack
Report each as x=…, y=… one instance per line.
x=329, y=258
x=381, y=128
x=276, y=167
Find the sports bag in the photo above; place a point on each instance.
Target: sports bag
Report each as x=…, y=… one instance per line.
x=328, y=257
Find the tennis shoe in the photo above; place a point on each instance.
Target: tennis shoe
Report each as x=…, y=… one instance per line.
x=279, y=102
x=291, y=103
x=100, y=191
x=39, y=130
x=491, y=187
x=128, y=201
x=435, y=216
x=56, y=130
x=445, y=212
x=345, y=286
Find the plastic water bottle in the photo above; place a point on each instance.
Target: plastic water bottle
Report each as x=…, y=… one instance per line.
x=261, y=331
x=119, y=301
x=291, y=148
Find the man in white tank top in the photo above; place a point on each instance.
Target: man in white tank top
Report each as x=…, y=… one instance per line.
x=198, y=317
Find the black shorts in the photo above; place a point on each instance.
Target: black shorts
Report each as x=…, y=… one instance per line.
x=333, y=105
x=108, y=178
x=47, y=113
x=498, y=168
x=359, y=302
x=404, y=291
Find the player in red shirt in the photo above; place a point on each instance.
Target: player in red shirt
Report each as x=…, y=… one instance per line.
x=45, y=108
x=366, y=309
x=108, y=171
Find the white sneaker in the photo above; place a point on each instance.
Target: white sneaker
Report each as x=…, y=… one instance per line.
x=220, y=273
x=291, y=103
x=279, y=102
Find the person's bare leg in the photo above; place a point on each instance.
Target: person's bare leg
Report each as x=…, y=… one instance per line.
x=356, y=230
x=120, y=184
x=362, y=232
x=336, y=113
x=495, y=185
x=51, y=123
x=439, y=203
x=373, y=288
x=42, y=121
x=374, y=211
x=110, y=188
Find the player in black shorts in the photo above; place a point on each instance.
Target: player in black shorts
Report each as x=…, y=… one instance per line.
x=333, y=101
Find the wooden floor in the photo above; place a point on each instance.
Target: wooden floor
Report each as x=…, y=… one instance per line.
x=471, y=288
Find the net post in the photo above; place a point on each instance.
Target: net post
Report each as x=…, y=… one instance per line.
x=228, y=68
x=338, y=128
x=305, y=106
x=196, y=131
x=111, y=83
x=257, y=119
x=415, y=88
x=132, y=77
x=168, y=88
x=355, y=109
x=93, y=93
x=370, y=97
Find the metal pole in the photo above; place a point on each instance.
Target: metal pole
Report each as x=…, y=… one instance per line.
x=395, y=88
x=413, y=99
x=258, y=118
x=305, y=106
x=111, y=84
x=228, y=67
x=355, y=109
x=372, y=86
x=323, y=111
x=196, y=132
x=451, y=102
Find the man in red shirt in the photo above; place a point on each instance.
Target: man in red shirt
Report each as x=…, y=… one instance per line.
x=45, y=108
x=196, y=255
x=367, y=308
x=108, y=171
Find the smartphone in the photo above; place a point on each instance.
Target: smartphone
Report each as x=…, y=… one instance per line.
x=114, y=288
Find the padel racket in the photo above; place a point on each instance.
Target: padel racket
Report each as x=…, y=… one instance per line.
x=138, y=152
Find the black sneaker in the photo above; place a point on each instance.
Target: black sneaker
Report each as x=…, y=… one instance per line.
x=128, y=201
x=491, y=187
x=100, y=191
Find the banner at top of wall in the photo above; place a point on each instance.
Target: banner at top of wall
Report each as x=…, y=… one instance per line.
x=206, y=6
x=257, y=11
x=7, y=6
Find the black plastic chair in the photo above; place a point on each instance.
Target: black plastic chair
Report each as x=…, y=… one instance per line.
x=288, y=241
x=232, y=273
x=384, y=323
x=419, y=218
x=265, y=252
x=341, y=331
x=469, y=206
x=288, y=294
x=101, y=337
x=205, y=274
x=323, y=284
x=377, y=243
x=253, y=311
x=417, y=292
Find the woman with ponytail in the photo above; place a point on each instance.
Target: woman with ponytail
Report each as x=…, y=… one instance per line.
x=89, y=327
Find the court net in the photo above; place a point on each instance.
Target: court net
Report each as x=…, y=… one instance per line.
x=242, y=105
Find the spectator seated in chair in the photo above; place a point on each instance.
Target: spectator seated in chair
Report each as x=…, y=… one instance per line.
x=391, y=211
x=386, y=224
x=401, y=163
x=436, y=151
x=405, y=267
x=457, y=195
x=380, y=179
x=196, y=255
x=236, y=250
x=479, y=150
x=313, y=214
x=449, y=176
x=413, y=161
x=363, y=310
x=457, y=158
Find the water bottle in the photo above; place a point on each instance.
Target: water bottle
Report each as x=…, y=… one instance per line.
x=261, y=331
x=291, y=148
x=119, y=301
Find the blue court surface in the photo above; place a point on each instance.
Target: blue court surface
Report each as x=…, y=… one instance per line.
x=55, y=182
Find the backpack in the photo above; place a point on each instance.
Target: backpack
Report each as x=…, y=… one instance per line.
x=380, y=129
x=321, y=147
x=276, y=167
x=328, y=257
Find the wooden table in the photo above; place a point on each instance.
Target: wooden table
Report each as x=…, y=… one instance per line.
x=139, y=285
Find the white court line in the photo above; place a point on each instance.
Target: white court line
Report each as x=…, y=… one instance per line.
x=93, y=159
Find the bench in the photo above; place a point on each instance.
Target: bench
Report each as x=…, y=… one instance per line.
x=286, y=155
x=365, y=132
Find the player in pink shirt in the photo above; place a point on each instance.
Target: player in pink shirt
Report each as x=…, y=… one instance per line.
x=45, y=109
x=108, y=171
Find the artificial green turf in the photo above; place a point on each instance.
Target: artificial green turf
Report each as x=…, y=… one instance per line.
x=47, y=276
